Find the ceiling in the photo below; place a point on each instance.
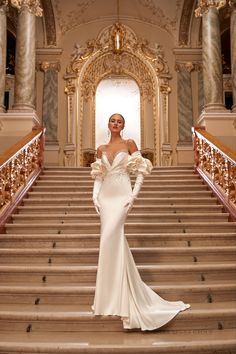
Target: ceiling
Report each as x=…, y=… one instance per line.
x=71, y=14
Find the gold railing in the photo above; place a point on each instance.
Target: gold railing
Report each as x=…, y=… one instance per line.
x=19, y=166
x=217, y=163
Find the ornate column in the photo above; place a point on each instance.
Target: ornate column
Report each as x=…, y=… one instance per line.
x=211, y=53
x=25, y=54
x=233, y=50
x=3, y=44
x=50, y=99
x=166, y=149
x=185, y=105
x=70, y=149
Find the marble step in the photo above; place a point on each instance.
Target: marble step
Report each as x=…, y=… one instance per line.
x=145, y=188
x=68, y=318
x=150, y=178
x=147, y=182
x=153, y=194
x=84, y=201
x=83, y=295
x=155, y=171
x=89, y=256
x=126, y=342
x=132, y=217
x=163, y=168
x=55, y=274
x=59, y=209
x=135, y=240
x=130, y=227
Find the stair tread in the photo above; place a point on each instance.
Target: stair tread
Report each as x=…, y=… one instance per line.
x=72, y=311
x=40, y=216
x=93, y=250
x=72, y=288
x=63, y=342
x=87, y=268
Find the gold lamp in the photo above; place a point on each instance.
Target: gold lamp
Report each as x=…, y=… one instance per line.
x=118, y=33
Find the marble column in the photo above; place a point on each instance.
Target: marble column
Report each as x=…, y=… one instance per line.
x=50, y=99
x=185, y=105
x=211, y=54
x=3, y=44
x=233, y=50
x=25, y=54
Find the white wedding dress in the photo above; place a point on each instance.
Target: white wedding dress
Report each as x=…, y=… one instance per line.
x=119, y=288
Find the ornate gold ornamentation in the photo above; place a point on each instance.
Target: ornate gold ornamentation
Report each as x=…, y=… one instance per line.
x=187, y=66
x=70, y=87
x=204, y=5
x=15, y=172
x=130, y=43
x=50, y=65
x=232, y=3
x=3, y=5
x=92, y=62
x=112, y=64
x=32, y=6
x=217, y=165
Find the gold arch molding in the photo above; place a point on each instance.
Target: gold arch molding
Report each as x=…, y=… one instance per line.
x=139, y=60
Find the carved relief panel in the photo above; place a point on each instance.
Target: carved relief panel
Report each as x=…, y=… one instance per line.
x=122, y=55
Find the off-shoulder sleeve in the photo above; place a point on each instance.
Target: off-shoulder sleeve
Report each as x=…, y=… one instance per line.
x=138, y=164
x=98, y=169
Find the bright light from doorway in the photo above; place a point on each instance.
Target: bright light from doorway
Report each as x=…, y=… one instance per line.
x=118, y=95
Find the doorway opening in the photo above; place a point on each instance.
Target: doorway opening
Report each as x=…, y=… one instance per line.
x=118, y=95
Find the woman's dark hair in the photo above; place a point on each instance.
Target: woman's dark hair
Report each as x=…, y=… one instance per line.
x=116, y=114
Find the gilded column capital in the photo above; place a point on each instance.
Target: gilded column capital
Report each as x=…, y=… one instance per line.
x=232, y=4
x=33, y=6
x=204, y=5
x=187, y=66
x=3, y=6
x=50, y=65
x=165, y=89
x=70, y=87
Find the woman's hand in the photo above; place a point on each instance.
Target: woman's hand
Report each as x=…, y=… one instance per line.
x=96, y=205
x=129, y=204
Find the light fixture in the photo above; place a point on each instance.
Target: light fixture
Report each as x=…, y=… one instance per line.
x=118, y=33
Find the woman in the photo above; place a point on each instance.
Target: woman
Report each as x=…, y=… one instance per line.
x=119, y=288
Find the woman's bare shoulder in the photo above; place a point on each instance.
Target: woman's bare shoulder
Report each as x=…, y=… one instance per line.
x=131, y=144
x=100, y=150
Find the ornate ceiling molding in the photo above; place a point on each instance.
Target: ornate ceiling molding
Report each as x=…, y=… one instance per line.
x=138, y=47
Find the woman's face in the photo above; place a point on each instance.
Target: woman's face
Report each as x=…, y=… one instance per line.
x=116, y=123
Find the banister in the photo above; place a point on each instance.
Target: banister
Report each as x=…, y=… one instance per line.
x=19, y=145
x=20, y=165
x=213, y=141
x=216, y=163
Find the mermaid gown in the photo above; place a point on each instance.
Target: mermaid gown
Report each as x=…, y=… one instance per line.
x=120, y=290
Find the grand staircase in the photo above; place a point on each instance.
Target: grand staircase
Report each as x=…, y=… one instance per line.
x=182, y=242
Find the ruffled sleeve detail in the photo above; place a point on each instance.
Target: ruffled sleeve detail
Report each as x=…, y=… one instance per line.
x=98, y=170
x=138, y=164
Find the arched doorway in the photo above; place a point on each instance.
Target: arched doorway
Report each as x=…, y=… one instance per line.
x=140, y=61
x=118, y=95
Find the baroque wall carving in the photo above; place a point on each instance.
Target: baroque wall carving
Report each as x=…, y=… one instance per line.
x=97, y=59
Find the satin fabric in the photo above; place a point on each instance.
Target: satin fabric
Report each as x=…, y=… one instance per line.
x=120, y=290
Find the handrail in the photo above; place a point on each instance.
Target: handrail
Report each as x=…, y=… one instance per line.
x=19, y=167
x=216, y=163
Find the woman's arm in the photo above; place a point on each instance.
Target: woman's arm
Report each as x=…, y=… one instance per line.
x=132, y=147
x=100, y=149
